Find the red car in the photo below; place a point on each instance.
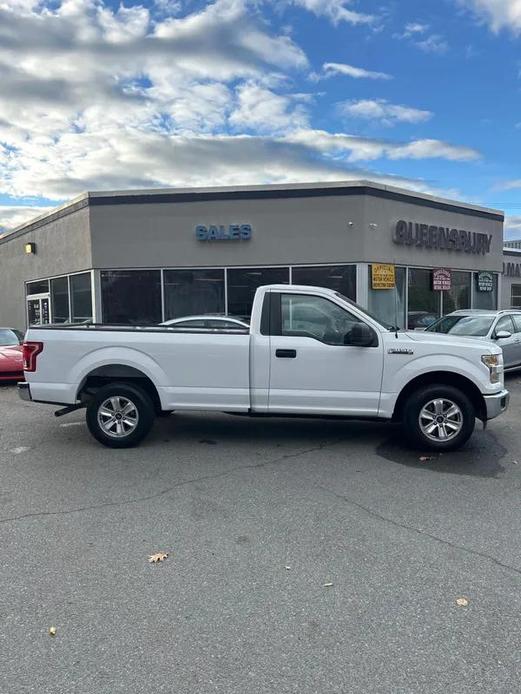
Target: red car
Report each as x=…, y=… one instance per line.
x=11, y=362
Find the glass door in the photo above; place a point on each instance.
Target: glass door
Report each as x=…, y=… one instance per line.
x=38, y=310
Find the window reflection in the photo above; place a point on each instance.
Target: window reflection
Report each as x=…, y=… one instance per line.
x=340, y=278
x=243, y=283
x=131, y=296
x=192, y=292
x=388, y=305
x=60, y=300
x=81, y=298
x=424, y=302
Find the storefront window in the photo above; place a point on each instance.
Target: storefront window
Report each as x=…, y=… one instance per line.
x=60, y=300
x=131, y=296
x=340, y=278
x=424, y=302
x=40, y=287
x=190, y=292
x=389, y=304
x=515, y=296
x=485, y=299
x=242, y=284
x=81, y=298
x=458, y=296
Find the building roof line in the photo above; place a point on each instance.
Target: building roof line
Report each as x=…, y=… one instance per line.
x=257, y=192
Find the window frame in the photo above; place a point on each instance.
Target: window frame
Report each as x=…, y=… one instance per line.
x=515, y=293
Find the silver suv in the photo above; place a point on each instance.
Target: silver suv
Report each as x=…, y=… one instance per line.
x=504, y=327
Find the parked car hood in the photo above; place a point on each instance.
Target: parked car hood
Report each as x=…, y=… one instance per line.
x=438, y=338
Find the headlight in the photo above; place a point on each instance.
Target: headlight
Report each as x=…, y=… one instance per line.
x=494, y=364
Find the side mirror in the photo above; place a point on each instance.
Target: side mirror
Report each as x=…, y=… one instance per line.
x=502, y=335
x=360, y=335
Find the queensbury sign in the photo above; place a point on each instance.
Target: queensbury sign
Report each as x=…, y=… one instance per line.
x=222, y=232
x=446, y=238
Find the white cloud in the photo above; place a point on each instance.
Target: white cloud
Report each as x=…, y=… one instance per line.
x=13, y=215
x=19, y=5
x=498, y=14
x=414, y=28
x=382, y=111
x=433, y=44
x=366, y=149
x=514, y=184
x=416, y=32
x=335, y=10
x=513, y=226
x=149, y=159
x=331, y=69
x=167, y=7
x=262, y=110
x=100, y=98
x=126, y=24
x=426, y=149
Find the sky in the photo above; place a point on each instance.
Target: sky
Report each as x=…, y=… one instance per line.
x=105, y=95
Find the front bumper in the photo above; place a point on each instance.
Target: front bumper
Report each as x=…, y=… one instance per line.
x=496, y=404
x=9, y=377
x=24, y=391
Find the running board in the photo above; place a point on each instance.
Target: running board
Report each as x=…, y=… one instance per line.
x=69, y=409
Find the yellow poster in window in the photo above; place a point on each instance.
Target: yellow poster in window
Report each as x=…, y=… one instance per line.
x=383, y=276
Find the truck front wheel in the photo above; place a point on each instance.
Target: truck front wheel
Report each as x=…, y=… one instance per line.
x=439, y=417
x=120, y=415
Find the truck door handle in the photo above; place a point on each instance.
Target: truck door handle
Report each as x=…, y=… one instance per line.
x=286, y=353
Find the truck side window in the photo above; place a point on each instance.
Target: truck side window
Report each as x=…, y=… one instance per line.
x=313, y=316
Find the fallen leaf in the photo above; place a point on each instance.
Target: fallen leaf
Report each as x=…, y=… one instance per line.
x=328, y=585
x=156, y=558
x=52, y=631
x=462, y=602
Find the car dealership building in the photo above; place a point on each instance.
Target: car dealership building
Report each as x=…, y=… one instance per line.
x=152, y=255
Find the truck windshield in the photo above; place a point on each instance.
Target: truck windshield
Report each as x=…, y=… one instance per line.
x=387, y=326
x=471, y=326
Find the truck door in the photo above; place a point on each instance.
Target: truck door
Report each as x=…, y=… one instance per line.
x=311, y=369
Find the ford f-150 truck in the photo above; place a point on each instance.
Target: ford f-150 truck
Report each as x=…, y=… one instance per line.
x=309, y=352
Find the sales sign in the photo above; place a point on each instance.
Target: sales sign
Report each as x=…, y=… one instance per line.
x=441, y=280
x=485, y=282
x=383, y=276
x=223, y=232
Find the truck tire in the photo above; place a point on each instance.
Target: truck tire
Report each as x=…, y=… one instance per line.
x=439, y=417
x=120, y=415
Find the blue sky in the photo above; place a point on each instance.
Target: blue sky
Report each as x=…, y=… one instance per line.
x=97, y=94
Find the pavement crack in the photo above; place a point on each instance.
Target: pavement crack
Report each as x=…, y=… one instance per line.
x=420, y=531
x=165, y=492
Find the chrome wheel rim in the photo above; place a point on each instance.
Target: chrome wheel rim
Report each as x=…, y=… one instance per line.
x=441, y=419
x=118, y=417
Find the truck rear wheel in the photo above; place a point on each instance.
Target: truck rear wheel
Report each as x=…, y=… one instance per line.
x=120, y=415
x=439, y=417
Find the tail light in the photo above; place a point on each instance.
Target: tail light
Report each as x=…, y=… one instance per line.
x=30, y=350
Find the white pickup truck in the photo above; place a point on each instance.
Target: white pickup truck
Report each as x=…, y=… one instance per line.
x=309, y=352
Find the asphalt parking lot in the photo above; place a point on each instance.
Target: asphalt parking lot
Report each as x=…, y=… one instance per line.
x=304, y=556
